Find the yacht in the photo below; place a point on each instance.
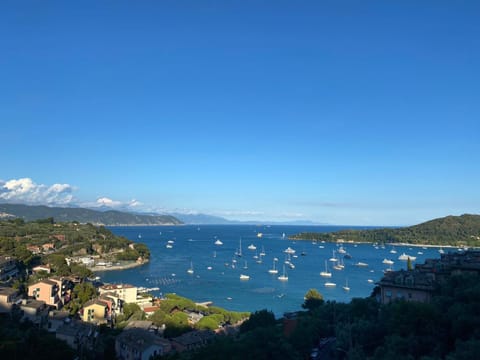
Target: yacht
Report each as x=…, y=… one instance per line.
x=273, y=270
x=244, y=277
x=405, y=257
x=252, y=247
x=218, y=242
x=388, y=261
x=289, y=250
x=330, y=284
x=346, y=287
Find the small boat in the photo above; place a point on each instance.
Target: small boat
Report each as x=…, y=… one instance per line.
x=259, y=235
x=361, y=264
x=239, y=251
x=326, y=273
x=405, y=257
x=393, y=251
x=370, y=281
x=283, y=235
x=252, y=247
x=346, y=287
x=441, y=251
x=170, y=242
x=330, y=284
x=244, y=277
x=289, y=250
x=209, y=268
x=169, y=246
x=387, y=261
x=283, y=277
x=218, y=242
x=245, y=266
x=341, y=250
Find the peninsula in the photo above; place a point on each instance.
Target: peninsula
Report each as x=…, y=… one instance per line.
x=455, y=231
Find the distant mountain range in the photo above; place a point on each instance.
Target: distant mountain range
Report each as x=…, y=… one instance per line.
x=60, y=214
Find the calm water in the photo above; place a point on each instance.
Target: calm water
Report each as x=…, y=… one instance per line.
x=222, y=285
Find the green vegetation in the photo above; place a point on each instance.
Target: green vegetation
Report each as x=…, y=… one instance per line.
x=451, y=230
x=173, y=315
x=56, y=241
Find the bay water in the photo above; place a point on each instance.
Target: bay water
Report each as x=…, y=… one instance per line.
x=217, y=268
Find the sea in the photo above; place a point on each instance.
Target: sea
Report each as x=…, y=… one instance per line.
x=217, y=268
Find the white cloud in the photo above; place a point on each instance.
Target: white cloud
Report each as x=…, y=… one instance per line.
x=25, y=190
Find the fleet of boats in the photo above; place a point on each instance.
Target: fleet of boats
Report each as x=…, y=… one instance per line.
x=289, y=252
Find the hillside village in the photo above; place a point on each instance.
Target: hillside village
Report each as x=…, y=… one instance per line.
x=51, y=289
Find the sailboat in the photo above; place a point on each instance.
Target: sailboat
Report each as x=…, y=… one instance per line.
x=333, y=258
x=346, y=287
x=283, y=277
x=239, y=251
x=190, y=269
x=244, y=277
x=262, y=253
x=273, y=270
x=326, y=273
x=245, y=266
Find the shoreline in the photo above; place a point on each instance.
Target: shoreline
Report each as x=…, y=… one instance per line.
x=118, y=267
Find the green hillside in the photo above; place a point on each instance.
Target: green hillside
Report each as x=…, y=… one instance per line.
x=81, y=215
x=449, y=230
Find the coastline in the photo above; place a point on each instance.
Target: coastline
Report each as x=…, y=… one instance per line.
x=125, y=266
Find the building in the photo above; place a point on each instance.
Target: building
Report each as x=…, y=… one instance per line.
x=133, y=344
x=96, y=311
x=406, y=285
x=192, y=340
x=8, y=268
x=49, y=291
x=39, y=268
x=125, y=292
x=35, y=311
x=79, y=336
x=420, y=283
x=8, y=297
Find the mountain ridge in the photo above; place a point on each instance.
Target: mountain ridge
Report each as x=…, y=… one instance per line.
x=84, y=215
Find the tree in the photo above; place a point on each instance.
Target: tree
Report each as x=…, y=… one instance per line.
x=313, y=300
x=262, y=318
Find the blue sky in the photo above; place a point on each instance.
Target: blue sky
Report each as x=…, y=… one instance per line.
x=339, y=112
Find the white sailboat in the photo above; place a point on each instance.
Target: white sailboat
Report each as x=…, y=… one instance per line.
x=346, y=287
x=190, y=269
x=333, y=258
x=326, y=273
x=252, y=247
x=239, y=251
x=273, y=270
x=244, y=277
x=330, y=284
x=283, y=277
x=262, y=253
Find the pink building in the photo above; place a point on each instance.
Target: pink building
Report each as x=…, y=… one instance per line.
x=48, y=291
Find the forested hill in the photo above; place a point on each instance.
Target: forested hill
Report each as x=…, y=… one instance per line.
x=81, y=215
x=449, y=230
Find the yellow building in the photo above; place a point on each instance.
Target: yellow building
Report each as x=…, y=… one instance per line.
x=95, y=311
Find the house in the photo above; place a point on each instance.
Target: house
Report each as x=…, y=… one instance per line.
x=8, y=268
x=133, y=344
x=8, y=297
x=125, y=292
x=406, y=285
x=79, y=336
x=39, y=268
x=34, y=249
x=56, y=319
x=35, y=311
x=47, y=290
x=192, y=340
x=96, y=311
x=48, y=247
